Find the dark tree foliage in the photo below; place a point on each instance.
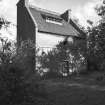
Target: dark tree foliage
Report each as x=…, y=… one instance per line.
x=19, y=85
x=4, y=22
x=96, y=43
x=100, y=10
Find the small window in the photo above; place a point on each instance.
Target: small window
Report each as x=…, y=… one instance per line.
x=53, y=20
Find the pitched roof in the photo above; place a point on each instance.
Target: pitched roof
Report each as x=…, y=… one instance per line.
x=78, y=28
x=63, y=28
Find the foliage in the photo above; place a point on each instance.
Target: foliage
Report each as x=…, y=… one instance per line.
x=96, y=43
x=74, y=53
x=100, y=10
x=4, y=22
x=19, y=83
x=7, y=51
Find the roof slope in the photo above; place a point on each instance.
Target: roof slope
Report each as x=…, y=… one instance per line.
x=47, y=27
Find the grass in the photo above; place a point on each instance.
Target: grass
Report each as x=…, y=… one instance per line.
x=76, y=96
x=76, y=90
x=60, y=93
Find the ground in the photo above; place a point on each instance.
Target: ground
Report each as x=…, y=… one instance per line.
x=75, y=91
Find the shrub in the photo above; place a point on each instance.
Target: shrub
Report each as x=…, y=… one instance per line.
x=19, y=83
x=55, y=58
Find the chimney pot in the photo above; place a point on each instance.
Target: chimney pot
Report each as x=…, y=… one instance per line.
x=69, y=14
x=23, y=2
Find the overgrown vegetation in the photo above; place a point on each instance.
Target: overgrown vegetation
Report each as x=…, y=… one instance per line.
x=96, y=43
x=19, y=84
x=73, y=53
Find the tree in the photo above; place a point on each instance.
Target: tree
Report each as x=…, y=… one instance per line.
x=96, y=43
x=4, y=22
x=19, y=83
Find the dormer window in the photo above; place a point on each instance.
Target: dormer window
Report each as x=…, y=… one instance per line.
x=53, y=20
x=49, y=20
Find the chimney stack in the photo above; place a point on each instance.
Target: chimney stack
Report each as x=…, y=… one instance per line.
x=23, y=2
x=66, y=15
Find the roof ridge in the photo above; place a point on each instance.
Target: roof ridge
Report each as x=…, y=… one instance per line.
x=44, y=10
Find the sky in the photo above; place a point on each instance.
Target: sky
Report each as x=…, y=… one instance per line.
x=81, y=9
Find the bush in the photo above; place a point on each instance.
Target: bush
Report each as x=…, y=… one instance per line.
x=19, y=83
x=12, y=84
x=54, y=59
x=16, y=89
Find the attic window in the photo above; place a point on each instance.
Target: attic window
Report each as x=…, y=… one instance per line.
x=53, y=20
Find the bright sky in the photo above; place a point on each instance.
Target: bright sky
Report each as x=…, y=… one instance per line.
x=81, y=9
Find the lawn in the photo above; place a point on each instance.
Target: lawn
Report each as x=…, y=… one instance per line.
x=65, y=95
x=74, y=91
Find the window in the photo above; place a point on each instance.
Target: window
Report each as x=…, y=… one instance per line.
x=53, y=20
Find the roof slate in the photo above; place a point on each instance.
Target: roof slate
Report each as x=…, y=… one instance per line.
x=65, y=29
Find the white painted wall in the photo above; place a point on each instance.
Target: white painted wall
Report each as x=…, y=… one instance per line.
x=48, y=41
